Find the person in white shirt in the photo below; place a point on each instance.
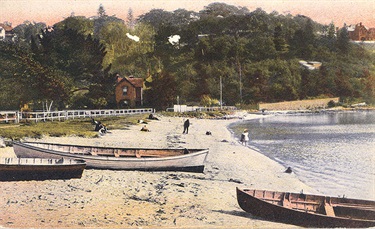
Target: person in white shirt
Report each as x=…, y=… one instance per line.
x=245, y=137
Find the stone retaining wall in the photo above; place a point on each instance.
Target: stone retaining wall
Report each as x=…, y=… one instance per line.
x=298, y=105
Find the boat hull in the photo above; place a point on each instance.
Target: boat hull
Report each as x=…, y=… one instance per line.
x=25, y=169
x=261, y=208
x=191, y=162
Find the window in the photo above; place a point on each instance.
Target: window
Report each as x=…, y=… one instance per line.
x=125, y=91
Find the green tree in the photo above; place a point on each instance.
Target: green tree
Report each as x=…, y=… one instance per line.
x=81, y=25
x=255, y=54
x=130, y=21
x=156, y=18
x=369, y=88
x=303, y=42
x=101, y=11
x=128, y=55
x=79, y=56
x=27, y=31
x=331, y=31
x=66, y=49
x=224, y=10
x=256, y=79
x=162, y=91
x=25, y=80
x=279, y=40
x=343, y=42
x=102, y=89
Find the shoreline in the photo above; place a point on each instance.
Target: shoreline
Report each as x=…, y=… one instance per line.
x=128, y=199
x=335, y=131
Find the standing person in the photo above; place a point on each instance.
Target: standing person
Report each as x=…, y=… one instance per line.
x=186, y=126
x=245, y=137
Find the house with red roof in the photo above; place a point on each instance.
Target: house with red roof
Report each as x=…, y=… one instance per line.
x=129, y=92
x=359, y=32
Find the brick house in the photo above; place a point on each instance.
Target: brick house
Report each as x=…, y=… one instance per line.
x=129, y=92
x=359, y=32
x=6, y=33
x=371, y=33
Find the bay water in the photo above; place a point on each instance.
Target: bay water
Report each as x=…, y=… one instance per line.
x=331, y=152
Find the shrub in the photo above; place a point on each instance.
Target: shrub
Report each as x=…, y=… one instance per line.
x=331, y=104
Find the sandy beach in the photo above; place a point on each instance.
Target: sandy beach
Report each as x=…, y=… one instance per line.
x=134, y=199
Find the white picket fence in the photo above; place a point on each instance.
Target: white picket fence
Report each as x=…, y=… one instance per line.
x=18, y=116
x=9, y=116
x=186, y=108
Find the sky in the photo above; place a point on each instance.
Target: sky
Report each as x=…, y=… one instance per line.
x=52, y=11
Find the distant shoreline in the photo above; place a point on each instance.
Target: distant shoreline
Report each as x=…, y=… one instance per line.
x=329, y=110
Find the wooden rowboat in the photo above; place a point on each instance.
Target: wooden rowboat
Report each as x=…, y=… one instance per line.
x=307, y=210
x=145, y=159
x=18, y=169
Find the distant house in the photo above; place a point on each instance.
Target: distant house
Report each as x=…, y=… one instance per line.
x=129, y=92
x=2, y=33
x=310, y=65
x=359, y=32
x=6, y=33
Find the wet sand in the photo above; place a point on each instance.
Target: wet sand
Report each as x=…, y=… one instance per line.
x=133, y=199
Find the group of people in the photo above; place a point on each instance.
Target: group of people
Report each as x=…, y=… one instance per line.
x=102, y=129
x=150, y=117
x=244, y=136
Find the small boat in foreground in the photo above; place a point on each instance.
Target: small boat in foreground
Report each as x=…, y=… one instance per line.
x=191, y=160
x=25, y=169
x=307, y=210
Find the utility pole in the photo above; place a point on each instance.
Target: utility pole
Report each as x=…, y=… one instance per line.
x=238, y=64
x=240, y=74
x=221, y=94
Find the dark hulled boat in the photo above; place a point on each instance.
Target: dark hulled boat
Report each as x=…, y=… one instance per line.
x=24, y=169
x=307, y=210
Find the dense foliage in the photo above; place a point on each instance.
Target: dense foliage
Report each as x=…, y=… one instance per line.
x=185, y=55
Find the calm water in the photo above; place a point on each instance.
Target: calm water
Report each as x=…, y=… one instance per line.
x=334, y=153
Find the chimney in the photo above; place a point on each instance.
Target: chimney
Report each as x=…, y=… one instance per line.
x=119, y=78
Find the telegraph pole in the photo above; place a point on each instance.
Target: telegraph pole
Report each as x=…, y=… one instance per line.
x=221, y=93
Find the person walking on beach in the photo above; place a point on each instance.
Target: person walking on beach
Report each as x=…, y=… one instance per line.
x=244, y=137
x=186, y=126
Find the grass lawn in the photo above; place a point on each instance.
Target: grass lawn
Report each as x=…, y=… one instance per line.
x=76, y=127
x=84, y=127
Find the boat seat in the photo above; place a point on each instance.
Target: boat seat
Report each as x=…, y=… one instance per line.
x=286, y=201
x=93, y=153
x=329, y=209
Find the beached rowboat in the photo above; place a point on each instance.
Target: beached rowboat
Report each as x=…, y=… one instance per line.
x=146, y=159
x=23, y=169
x=307, y=210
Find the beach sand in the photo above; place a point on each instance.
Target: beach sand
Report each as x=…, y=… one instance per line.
x=125, y=199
